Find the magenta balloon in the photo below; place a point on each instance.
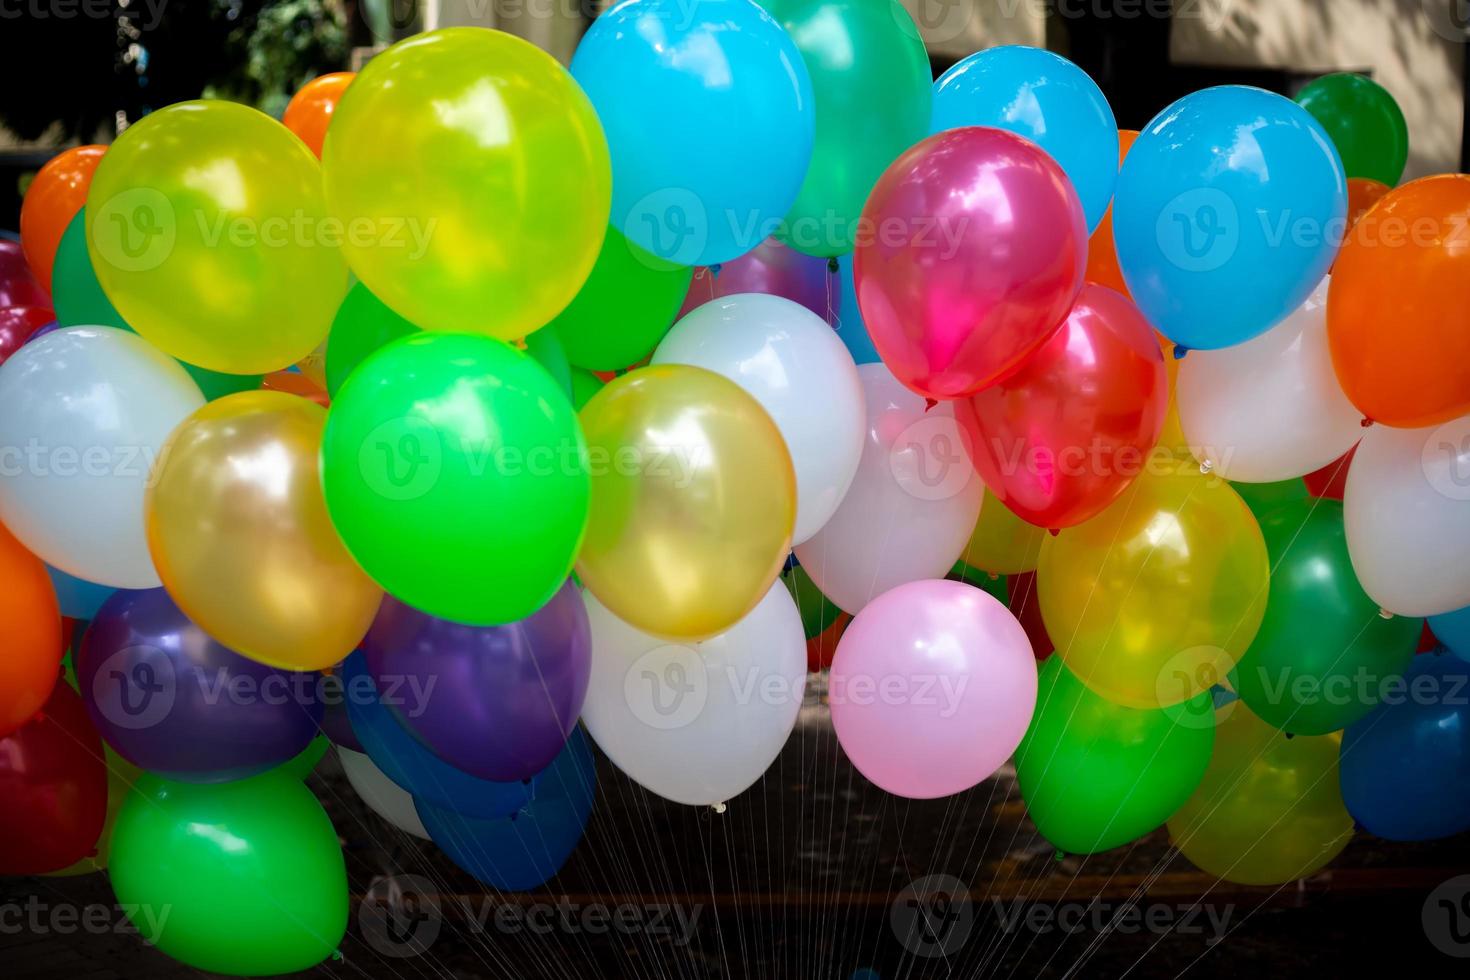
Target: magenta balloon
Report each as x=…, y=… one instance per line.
x=970, y=253
x=18, y=287
x=769, y=268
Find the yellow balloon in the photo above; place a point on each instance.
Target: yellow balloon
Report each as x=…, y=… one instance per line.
x=1269, y=809
x=238, y=530
x=484, y=156
x=121, y=775
x=208, y=230
x=1002, y=543
x=1154, y=599
x=693, y=501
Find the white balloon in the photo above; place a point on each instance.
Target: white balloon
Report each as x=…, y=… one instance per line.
x=1407, y=509
x=382, y=795
x=83, y=414
x=793, y=363
x=697, y=723
x=1271, y=408
x=911, y=507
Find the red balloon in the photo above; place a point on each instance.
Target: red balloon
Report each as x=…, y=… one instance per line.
x=821, y=648
x=54, y=784
x=18, y=285
x=969, y=254
x=17, y=323
x=1331, y=480
x=1025, y=604
x=1062, y=437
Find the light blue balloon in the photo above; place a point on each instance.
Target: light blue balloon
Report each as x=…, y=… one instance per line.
x=1045, y=98
x=709, y=118
x=78, y=599
x=1453, y=630
x=1228, y=213
x=848, y=319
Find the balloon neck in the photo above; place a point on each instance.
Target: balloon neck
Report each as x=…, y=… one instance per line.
x=1366, y=422
x=1206, y=466
x=719, y=807
x=1179, y=351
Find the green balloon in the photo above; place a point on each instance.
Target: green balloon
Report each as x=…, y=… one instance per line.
x=363, y=324
x=244, y=878
x=546, y=349
x=455, y=472
x=872, y=88
x=1262, y=498
x=1096, y=775
x=1365, y=123
x=1323, y=654
x=304, y=763
x=623, y=309
x=78, y=299
x=585, y=384
x=989, y=582
x=817, y=611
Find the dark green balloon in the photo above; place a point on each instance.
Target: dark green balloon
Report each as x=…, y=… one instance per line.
x=585, y=384
x=817, y=611
x=1096, y=775
x=363, y=324
x=546, y=349
x=1365, y=123
x=987, y=581
x=1323, y=653
x=1262, y=498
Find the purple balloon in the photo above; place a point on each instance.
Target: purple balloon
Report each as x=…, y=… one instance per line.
x=173, y=701
x=497, y=702
x=770, y=268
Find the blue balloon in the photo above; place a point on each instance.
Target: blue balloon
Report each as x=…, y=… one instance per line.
x=1045, y=98
x=1406, y=767
x=1229, y=210
x=848, y=319
x=1453, y=630
x=708, y=113
x=405, y=761
x=521, y=851
x=78, y=599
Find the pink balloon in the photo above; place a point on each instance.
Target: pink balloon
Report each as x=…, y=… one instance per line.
x=932, y=687
x=970, y=252
x=771, y=268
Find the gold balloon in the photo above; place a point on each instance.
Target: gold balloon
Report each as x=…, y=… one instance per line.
x=1002, y=543
x=693, y=501
x=1269, y=809
x=239, y=533
x=1156, y=598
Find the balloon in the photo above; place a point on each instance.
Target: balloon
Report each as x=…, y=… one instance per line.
x=544, y=347
x=627, y=304
x=251, y=874
x=693, y=501
x=1263, y=498
x=1365, y=124
x=847, y=318
x=697, y=723
x=520, y=852
x=910, y=508
x=32, y=629
x=870, y=80
x=1102, y=255
x=1001, y=542
x=1171, y=439
x=1363, y=193
x=18, y=285
x=499, y=701
x=820, y=649
x=1323, y=655
x=209, y=233
x=1060, y=438
x=1227, y=214
x=1407, y=506
x=363, y=325
x=1453, y=630
x=56, y=194
x=1045, y=98
x=296, y=383
x=710, y=118
x=931, y=689
x=817, y=611
x=18, y=324
x=172, y=700
x=1268, y=810
x=1024, y=602
x=78, y=599
x=54, y=787
x=782, y=355
x=976, y=257
x=382, y=796
x=1406, y=766
x=771, y=268
x=240, y=536
x=83, y=414
x=310, y=110
x=1330, y=482
x=304, y=763
x=1269, y=409
x=1095, y=775
x=456, y=474
x=121, y=775
x=485, y=213
x=1154, y=600
x=585, y=384
x=1403, y=264
x=404, y=760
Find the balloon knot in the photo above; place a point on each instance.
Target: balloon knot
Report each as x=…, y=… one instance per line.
x=1060, y=855
x=714, y=270
x=1179, y=351
x=337, y=956
x=1053, y=531
x=832, y=264
x=719, y=807
x=1206, y=466
x=1385, y=614
x=930, y=403
x=1289, y=735
x=1366, y=422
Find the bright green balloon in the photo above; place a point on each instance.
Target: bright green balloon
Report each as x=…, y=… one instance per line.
x=817, y=611
x=872, y=87
x=244, y=878
x=363, y=324
x=1365, y=123
x=624, y=308
x=1323, y=654
x=989, y=582
x=1262, y=498
x=1096, y=775
x=455, y=472
x=585, y=384
x=546, y=349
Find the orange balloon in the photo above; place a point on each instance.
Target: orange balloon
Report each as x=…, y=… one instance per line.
x=1363, y=193
x=1398, y=309
x=54, y=198
x=311, y=108
x=30, y=635
x=295, y=383
x=1102, y=258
